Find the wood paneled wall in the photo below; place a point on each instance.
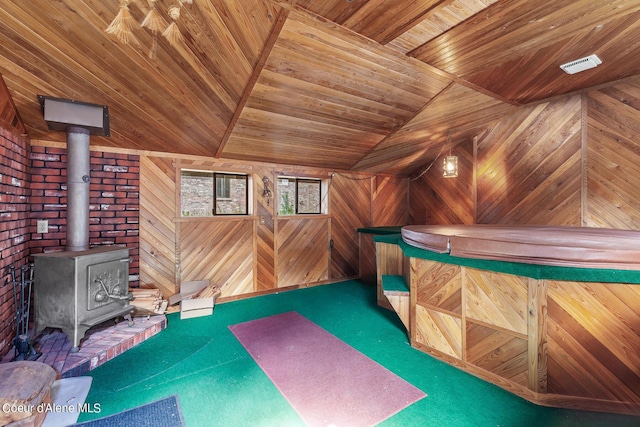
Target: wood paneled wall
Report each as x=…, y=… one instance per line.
x=157, y=226
x=261, y=252
x=434, y=199
x=573, y=161
x=613, y=157
x=351, y=196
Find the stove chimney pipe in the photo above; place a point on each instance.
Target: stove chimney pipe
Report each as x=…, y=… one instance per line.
x=79, y=120
x=77, y=188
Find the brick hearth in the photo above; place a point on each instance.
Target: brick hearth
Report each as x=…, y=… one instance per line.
x=101, y=343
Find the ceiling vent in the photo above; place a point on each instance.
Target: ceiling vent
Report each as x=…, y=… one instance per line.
x=591, y=61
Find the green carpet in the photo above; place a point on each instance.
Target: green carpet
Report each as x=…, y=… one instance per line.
x=219, y=384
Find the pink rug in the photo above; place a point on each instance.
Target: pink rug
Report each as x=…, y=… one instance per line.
x=326, y=381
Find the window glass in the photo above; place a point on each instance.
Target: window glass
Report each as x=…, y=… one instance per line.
x=298, y=196
x=308, y=196
x=196, y=193
x=231, y=194
x=199, y=190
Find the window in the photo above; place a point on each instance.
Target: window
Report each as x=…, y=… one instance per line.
x=199, y=190
x=299, y=196
x=231, y=194
x=196, y=193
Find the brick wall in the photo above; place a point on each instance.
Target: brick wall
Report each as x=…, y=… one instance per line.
x=114, y=201
x=14, y=224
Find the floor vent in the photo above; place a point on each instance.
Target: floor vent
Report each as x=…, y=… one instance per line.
x=591, y=61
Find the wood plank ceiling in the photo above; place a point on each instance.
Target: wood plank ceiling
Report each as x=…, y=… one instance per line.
x=378, y=85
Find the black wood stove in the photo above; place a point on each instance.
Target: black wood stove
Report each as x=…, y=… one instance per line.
x=81, y=286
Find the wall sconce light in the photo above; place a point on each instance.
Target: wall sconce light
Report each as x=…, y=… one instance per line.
x=266, y=193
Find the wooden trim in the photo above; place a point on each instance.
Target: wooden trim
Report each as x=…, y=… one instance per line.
x=474, y=185
x=584, y=141
x=271, y=42
x=556, y=401
x=537, y=335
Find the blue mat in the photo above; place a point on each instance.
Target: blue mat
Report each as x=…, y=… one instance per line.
x=161, y=413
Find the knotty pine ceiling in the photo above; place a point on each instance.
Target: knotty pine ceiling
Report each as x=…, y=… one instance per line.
x=375, y=86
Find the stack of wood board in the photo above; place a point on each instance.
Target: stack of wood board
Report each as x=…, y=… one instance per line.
x=148, y=301
x=196, y=298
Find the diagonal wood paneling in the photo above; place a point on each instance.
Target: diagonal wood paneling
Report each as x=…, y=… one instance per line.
x=613, y=157
x=389, y=201
x=438, y=285
x=443, y=16
x=457, y=111
x=350, y=197
x=301, y=251
x=438, y=200
x=496, y=299
x=380, y=82
x=157, y=227
x=439, y=331
x=325, y=88
x=593, y=346
x=515, y=48
x=219, y=251
x=497, y=352
x=152, y=102
x=528, y=167
x=265, y=233
x=9, y=117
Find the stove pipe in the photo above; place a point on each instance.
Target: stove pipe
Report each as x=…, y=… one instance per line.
x=77, y=188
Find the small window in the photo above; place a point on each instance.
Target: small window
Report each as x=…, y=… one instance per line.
x=299, y=196
x=196, y=193
x=231, y=194
x=199, y=190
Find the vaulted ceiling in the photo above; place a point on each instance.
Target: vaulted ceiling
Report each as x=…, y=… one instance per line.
x=377, y=85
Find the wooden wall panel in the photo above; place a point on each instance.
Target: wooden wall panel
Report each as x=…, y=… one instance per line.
x=220, y=251
x=528, y=167
x=302, y=255
x=439, y=331
x=9, y=117
x=435, y=199
x=438, y=285
x=350, y=197
x=593, y=344
x=498, y=352
x=573, y=161
x=496, y=299
x=389, y=201
x=367, y=259
x=157, y=227
x=266, y=252
x=265, y=232
x=613, y=157
x=389, y=261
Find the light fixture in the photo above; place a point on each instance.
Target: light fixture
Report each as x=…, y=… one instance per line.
x=266, y=193
x=123, y=24
x=450, y=163
x=450, y=167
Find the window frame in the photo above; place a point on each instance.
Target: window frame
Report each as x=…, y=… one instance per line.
x=213, y=173
x=215, y=196
x=308, y=180
x=322, y=195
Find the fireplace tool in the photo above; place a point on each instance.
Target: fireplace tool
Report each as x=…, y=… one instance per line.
x=23, y=348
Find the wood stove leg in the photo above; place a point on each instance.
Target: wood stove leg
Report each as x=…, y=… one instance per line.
x=75, y=336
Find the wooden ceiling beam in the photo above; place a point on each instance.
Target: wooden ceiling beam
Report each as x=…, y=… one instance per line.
x=273, y=38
